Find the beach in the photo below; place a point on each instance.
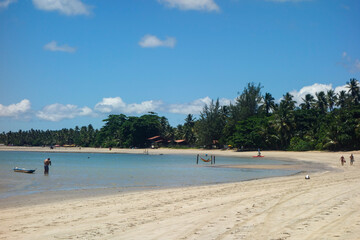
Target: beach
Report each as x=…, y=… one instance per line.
x=327, y=206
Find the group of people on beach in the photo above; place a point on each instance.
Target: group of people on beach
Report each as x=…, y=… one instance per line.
x=343, y=161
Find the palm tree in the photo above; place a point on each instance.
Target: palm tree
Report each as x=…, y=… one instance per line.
x=288, y=103
x=284, y=124
x=354, y=90
x=321, y=102
x=268, y=103
x=342, y=99
x=284, y=119
x=189, y=129
x=308, y=102
x=331, y=99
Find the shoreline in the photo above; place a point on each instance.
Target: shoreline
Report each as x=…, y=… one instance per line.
x=325, y=207
x=308, y=156
x=301, y=166
x=54, y=196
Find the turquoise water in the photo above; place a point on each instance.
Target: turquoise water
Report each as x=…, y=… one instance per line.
x=71, y=171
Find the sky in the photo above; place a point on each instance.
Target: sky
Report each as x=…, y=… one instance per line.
x=67, y=63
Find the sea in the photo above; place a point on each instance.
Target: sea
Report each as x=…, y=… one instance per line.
x=126, y=172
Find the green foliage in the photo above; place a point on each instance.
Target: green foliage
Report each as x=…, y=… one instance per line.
x=41, y=138
x=210, y=126
x=247, y=103
x=326, y=121
x=122, y=131
x=249, y=133
x=284, y=120
x=298, y=144
x=189, y=131
x=268, y=104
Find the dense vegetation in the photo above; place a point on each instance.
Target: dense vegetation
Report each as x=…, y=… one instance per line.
x=326, y=121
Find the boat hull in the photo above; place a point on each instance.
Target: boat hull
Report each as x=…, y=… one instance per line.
x=23, y=170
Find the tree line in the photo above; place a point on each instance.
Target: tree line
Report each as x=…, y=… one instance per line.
x=324, y=121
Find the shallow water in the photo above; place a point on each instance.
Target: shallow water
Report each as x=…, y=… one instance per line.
x=71, y=171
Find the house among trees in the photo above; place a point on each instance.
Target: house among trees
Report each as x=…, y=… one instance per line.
x=181, y=142
x=215, y=144
x=156, y=141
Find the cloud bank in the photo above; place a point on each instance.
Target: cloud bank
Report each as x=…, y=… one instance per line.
x=200, y=5
x=117, y=105
x=194, y=107
x=57, y=112
x=15, y=110
x=315, y=88
x=54, y=47
x=151, y=41
x=67, y=7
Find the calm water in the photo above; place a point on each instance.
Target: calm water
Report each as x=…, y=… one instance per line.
x=71, y=171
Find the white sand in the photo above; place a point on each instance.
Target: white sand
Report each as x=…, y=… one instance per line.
x=325, y=207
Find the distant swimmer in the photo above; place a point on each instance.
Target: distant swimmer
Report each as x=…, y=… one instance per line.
x=342, y=160
x=47, y=162
x=352, y=160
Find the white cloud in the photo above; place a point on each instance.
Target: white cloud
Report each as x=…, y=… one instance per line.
x=57, y=112
x=54, y=47
x=108, y=105
x=143, y=107
x=195, y=107
x=67, y=7
x=349, y=63
x=15, y=110
x=341, y=88
x=117, y=105
x=150, y=41
x=6, y=3
x=202, y=5
x=315, y=88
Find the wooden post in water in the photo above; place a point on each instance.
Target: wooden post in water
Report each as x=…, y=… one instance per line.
x=197, y=159
x=214, y=159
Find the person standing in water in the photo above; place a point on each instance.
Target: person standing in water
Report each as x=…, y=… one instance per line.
x=47, y=162
x=342, y=160
x=352, y=159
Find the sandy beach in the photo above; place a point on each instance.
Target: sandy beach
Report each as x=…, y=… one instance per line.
x=325, y=207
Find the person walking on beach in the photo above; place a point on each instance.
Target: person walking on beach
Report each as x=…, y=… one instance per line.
x=342, y=160
x=352, y=159
x=47, y=162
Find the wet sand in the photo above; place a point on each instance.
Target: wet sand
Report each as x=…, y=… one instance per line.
x=325, y=207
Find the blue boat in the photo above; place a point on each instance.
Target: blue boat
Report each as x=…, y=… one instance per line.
x=24, y=170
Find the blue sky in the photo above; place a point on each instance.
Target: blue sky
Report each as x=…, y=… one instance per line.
x=67, y=63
